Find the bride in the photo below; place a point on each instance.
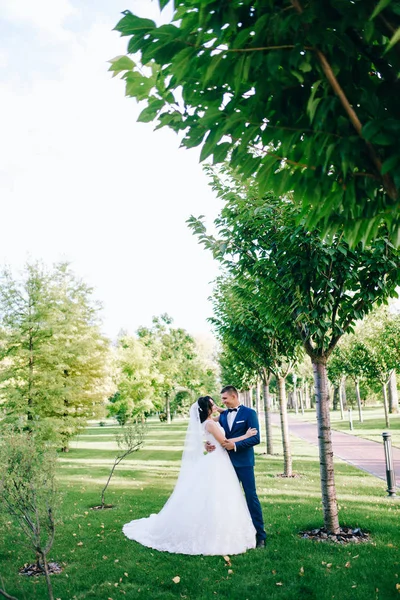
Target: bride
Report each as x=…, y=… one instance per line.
x=207, y=512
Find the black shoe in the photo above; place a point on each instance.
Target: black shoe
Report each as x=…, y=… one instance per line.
x=260, y=544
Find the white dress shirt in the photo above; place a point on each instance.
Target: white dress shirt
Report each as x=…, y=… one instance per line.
x=231, y=417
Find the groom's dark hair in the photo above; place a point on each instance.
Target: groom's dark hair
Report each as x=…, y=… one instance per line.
x=230, y=389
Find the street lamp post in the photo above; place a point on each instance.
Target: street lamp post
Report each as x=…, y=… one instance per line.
x=390, y=475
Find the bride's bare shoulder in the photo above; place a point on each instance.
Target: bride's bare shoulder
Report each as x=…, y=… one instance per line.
x=211, y=425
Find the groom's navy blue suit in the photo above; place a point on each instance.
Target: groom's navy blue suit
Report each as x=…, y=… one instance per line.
x=243, y=460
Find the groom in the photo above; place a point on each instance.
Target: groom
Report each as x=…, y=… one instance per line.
x=236, y=420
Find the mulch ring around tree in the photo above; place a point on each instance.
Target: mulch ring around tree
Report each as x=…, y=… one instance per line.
x=34, y=569
x=292, y=476
x=100, y=507
x=346, y=535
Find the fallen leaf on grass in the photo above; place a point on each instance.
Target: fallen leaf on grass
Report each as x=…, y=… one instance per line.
x=301, y=572
x=176, y=579
x=348, y=564
x=279, y=583
x=398, y=587
x=80, y=544
x=328, y=566
x=227, y=560
x=230, y=571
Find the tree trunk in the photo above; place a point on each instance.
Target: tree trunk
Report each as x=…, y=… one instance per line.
x=341, y=387
x=30, y=378
x=336, y=394
x=393, y=395
x=360, y=415
x=168, y=408
x=47, y=575
x=287, y=455
x=301, y=400
x=385, y=405
x=257, y=407
x=329, y=502
x=344, y=397
x=103, y=492
x=307, y=394
x=295, y=393
x=267, y=413
x=312, y=396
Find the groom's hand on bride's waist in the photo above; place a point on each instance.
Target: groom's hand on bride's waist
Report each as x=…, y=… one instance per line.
x=209, y=447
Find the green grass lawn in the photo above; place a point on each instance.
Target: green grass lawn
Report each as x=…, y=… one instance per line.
x=372, y=427
x=101, y=564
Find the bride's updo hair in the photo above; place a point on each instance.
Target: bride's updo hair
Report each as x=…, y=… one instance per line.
x=205, y=407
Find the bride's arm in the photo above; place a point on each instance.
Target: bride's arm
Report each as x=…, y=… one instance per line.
x=249, y=433
x=215, y=430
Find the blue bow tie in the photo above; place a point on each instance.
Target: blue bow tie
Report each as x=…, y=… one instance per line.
x=232, y=409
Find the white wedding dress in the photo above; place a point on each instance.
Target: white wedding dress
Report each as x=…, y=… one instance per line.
x=206, y=513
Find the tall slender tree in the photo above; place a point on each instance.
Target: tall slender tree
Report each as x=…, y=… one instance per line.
x=301, y=281
x=240, y=325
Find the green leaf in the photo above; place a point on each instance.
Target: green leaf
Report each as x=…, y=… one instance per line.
x=131, y=24
x=390, y=163
x=138, y=86
x=313, y=102
x=394, y=40
x=220, y=152
x=305, y=67
x=150, y=112
x=209, y=145
x=382, y=4
x=121, y=63
x=182, y=62
x=370, y=129
x=163, y=3
x=212, y=67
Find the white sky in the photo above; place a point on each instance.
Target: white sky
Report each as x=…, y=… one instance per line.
x=81, y=180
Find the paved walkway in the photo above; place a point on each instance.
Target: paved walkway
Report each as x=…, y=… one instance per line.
x=363, y=454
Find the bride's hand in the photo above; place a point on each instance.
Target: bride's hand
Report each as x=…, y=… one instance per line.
x=251, y=431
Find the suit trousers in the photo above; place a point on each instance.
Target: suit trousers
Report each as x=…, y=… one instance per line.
x=248, y=481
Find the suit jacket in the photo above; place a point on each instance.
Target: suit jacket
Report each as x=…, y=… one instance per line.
x=245, y=418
